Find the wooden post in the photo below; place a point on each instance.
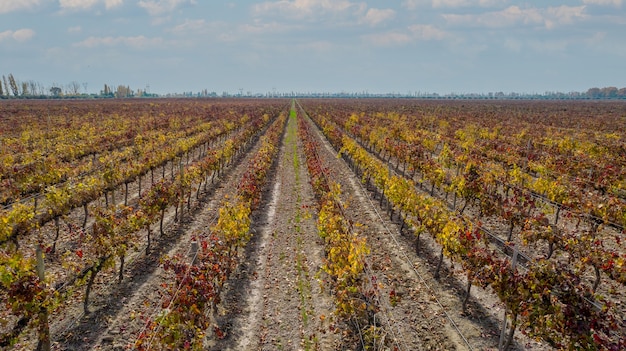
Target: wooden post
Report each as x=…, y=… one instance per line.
x=504, y=343
x=193, y=253
x=44, y=328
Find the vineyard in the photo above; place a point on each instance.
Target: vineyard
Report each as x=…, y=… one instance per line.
x=312, y=224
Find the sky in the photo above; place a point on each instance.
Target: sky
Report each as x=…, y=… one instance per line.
x=425, y=46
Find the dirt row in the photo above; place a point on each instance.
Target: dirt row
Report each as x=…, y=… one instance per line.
x=276, y=301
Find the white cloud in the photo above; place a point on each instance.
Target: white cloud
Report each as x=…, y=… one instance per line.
x=563, y=15
x=159, y=7
x=375, y=16
x=109, y=4
x=299, y=9
x=414, y=4
x=77, y=4
x=157, y=21
x=190, y=26
x=616, y=3
x=515, y=16
x=450, y=3
x=7, y=6
x=23, y=34
x=20, y=35
x=416, y=32
x=87, y=4
x=466, y=3
x=137, y=42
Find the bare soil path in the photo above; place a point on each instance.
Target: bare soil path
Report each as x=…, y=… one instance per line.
x=284, y=307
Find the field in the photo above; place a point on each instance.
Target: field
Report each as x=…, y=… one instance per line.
x=271, y=224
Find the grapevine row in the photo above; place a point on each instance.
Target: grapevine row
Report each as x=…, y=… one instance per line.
x=50, y=152
x=478, y=186
x=425, y=150
x=193, y=297
x=143, y=158
x=115, y=230
x=548, y=298
x=345, y=263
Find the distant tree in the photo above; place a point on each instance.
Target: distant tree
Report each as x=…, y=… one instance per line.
x=1, y=90
x=14, y=86
x=594, y=93
x=56, y=91
x=6, y=85
x=621, y=93
x=74, y=88
x=24, y=90
x=32, y=87
x=123, y=92
x=609, y=92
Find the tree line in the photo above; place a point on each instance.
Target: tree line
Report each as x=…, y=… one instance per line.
x=30, y=89
x=607, y=93
x=12, y=88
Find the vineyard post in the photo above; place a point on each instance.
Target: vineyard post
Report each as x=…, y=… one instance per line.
x=86, y=210
x=172, y=169
x=193, y=253
x=126, y=193
x=558, y=210
x=504, y=343
x=44, y=328
x=528, y=147
x=57, y=232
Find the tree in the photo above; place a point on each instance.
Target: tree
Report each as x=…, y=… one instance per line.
x=6, y=86
x=25, y=90
x=594, y=93
x=74, y=88
x=32, y=87
x=609, y=92
x=107, y=91
x=14, y=86
x=1, y=90
x=56, y=91
x=123, y=92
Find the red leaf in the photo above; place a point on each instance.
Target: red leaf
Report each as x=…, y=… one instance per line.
x=79, y=253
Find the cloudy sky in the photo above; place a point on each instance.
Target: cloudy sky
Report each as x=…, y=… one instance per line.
x=438, y=46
